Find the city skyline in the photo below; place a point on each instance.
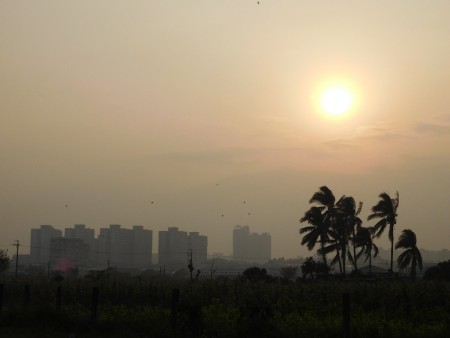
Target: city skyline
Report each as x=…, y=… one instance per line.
x=170, y=113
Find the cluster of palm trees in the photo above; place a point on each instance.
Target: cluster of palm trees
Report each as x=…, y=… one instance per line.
x=337, y=227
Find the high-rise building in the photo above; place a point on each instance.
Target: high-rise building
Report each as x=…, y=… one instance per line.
x=199, y=246
x=40, y=243
x=87, y=235
x=240, y=242
x=174, y=247
x=251, y=246
x=67, y=254
x=259, y=247
x=142, y=247
x=121, y=247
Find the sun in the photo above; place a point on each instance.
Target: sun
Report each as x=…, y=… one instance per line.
x=336, y=101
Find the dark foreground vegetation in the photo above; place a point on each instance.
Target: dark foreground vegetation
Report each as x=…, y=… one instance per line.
x=223, y=308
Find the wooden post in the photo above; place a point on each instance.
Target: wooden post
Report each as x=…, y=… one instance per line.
x=94, y=308
x=346, y=314
x=58, y=297
x=1, y=296
x=174, y=308
x=26, y=298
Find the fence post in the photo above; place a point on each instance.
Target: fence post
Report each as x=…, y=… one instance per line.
x=346, y=314
x=26, y=298
x=58, y=297
x=95, y=293
x=174, y=308
x=1, y=296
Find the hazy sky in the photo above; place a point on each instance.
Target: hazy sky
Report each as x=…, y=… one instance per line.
x=108, y=105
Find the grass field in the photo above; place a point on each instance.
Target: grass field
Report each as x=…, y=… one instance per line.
x=225, y=308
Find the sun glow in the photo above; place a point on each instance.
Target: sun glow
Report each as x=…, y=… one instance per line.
x=336, y=101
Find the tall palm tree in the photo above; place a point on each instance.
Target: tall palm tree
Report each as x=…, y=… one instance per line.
x=325, y=198
x=316, y=232
x=411, y=256
x=386, y=211
x=364, y=241
x=348, y=223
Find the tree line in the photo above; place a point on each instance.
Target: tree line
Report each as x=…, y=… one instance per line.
x=336, y=226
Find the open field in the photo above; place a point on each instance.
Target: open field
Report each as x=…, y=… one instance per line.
x=224, y=308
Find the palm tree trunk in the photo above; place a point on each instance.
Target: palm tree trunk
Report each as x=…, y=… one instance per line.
x=324, y=256
x=355, y=260
x=344, y=253
x=339, y=256
x=370, y=261
x=392, y=256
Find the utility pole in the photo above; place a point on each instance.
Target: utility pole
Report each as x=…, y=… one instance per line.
x=212, y=271
x=190, y=265
x=17, y=255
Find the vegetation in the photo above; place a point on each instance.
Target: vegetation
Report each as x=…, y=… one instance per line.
x=386, y=211
x=289, y=272
x=411, y=257
x=4, y=260
x=255, y=274
x=226, y=308
x=312, y=269
x=441, y=271
x=364, y=241
x=338, y=229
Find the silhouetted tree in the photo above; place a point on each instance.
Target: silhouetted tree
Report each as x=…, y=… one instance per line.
x=411, y=256
x=326, y=201
x=441, y=271
x=308, y=267
x=386, y=211
x=346, y=222
x=312, y=268
x=346, y=225
x=255, y=274
x=4, y=260
x=318, y=230
x=364, y=241
x=289, y=272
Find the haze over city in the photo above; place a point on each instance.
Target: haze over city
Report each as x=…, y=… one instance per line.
x=173, y=114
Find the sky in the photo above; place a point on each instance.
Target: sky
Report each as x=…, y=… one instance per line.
x=198, y=106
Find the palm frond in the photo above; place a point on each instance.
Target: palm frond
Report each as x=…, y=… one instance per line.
x=306, y=229
x=335, y=260
x=378, y=228
x=419, y=259
x=358, y=210
x=375, y=250
x=404, y=260
x=324, y=197
x=406, y=240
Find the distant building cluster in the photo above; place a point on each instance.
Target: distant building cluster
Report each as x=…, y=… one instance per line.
x=124, y=248
x=249, y=246
x=114, y=246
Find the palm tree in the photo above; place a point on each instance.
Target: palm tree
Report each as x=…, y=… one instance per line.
x=411, y=256
x=386, y=211
x=363, y=240
x=326, y=200
x=348, y=223
x=317, y=231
